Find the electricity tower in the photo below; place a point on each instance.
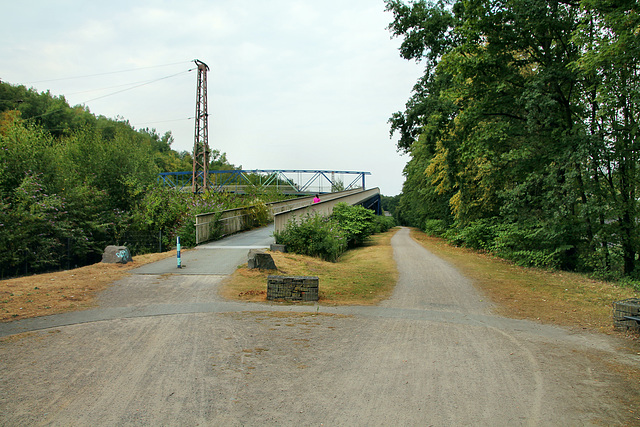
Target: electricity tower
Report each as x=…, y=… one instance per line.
x=201, y=150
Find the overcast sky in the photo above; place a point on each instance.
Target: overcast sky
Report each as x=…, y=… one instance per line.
x=306, y=84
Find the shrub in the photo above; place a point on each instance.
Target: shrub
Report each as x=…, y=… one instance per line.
x=258, y=214
x=435, y=227
x=383, y=223
x=478, y=234
x=315, y=236
x=528, y=245
x=358, y=222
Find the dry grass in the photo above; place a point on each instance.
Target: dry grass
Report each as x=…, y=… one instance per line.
x=366, y=275
x=363, y=276
x=562, y=298
x=63, y=291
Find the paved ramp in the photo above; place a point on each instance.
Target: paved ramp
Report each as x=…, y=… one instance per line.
x=220, y=257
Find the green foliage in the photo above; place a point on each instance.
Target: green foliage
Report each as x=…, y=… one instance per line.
x=72, y=183
x=257, y=214
x=390, y=204
x=39, y=224
x=327, y=238
x=314, y=236
x=357, y=222
x=526, y=244
x=523, y=131
x=383, y=223
x=434, y=227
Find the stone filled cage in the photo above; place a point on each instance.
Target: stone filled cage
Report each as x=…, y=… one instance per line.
x=292, y=288
x=624, y=309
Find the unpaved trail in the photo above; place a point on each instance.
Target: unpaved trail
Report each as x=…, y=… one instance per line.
x=433, y=354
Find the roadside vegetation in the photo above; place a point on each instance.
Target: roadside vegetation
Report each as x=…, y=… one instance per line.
x=364, y=275
x=329, y=237
x=523, y=131
x=72, y=183
x=63, y=291
x=549, y=296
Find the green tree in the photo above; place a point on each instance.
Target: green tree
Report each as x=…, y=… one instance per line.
x=526, y=117
x=609, y=36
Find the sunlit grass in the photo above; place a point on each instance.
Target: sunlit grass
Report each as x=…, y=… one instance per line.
x=62, y=291
x=564, y=298
x=365, y=275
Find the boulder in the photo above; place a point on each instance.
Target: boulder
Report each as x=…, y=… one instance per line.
x=257, y=258
x=116, y=255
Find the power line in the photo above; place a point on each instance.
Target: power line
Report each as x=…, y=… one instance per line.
x=105, y=88
x=140, y=85
x=162, y=121
x=108, y=73
x=113, y=93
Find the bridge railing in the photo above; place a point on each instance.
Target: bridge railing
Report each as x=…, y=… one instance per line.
x=287, y=181
x=324, y=208
x=219, y=224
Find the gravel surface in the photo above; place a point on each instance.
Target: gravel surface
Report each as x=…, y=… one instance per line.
x=164, y=350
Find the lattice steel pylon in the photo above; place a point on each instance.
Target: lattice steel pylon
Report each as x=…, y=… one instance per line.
x=201, y=139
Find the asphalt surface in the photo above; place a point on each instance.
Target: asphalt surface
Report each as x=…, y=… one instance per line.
x=221, y=257
x=164, y=349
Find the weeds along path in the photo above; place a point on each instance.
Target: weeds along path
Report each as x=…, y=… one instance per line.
x=172, y=353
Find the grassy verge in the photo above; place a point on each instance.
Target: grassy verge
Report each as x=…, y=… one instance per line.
x=59, y=292
x=562, y=298
x=366, y=275
x=363, y=276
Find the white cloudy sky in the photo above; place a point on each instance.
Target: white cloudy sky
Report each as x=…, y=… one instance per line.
x=307, y=84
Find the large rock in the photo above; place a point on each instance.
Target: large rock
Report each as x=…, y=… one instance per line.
x=116, y=255
x=257, y=258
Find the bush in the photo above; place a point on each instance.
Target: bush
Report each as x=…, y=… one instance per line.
x=315, y=236
x=383, y=223
x=328, y=238
x=478, y=234
x=528, y=245
x=435, y=227
x=358, y=222
x=258, y=214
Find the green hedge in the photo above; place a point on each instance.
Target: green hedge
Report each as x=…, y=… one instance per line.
x=330, y=237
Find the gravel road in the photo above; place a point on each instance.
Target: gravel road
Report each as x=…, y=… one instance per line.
x=165, y=350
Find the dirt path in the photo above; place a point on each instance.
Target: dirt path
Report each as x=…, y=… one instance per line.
x=431, y=355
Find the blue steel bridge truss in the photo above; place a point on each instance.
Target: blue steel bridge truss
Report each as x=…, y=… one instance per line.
x=287, y=181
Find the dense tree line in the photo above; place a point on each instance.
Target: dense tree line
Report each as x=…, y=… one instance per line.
x=523, y=130
x=72, y=183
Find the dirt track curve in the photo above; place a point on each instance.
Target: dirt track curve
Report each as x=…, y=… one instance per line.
x=164, y=350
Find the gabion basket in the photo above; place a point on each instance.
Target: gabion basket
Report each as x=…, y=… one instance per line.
x=624, y=309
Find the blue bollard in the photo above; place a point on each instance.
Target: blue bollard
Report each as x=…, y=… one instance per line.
x=179, y=263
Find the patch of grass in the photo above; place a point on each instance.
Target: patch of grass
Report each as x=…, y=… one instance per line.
x=59, y=292
x=557, y=297
x=363, y=276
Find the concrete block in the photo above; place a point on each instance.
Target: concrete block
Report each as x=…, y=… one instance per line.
x=257, y=258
